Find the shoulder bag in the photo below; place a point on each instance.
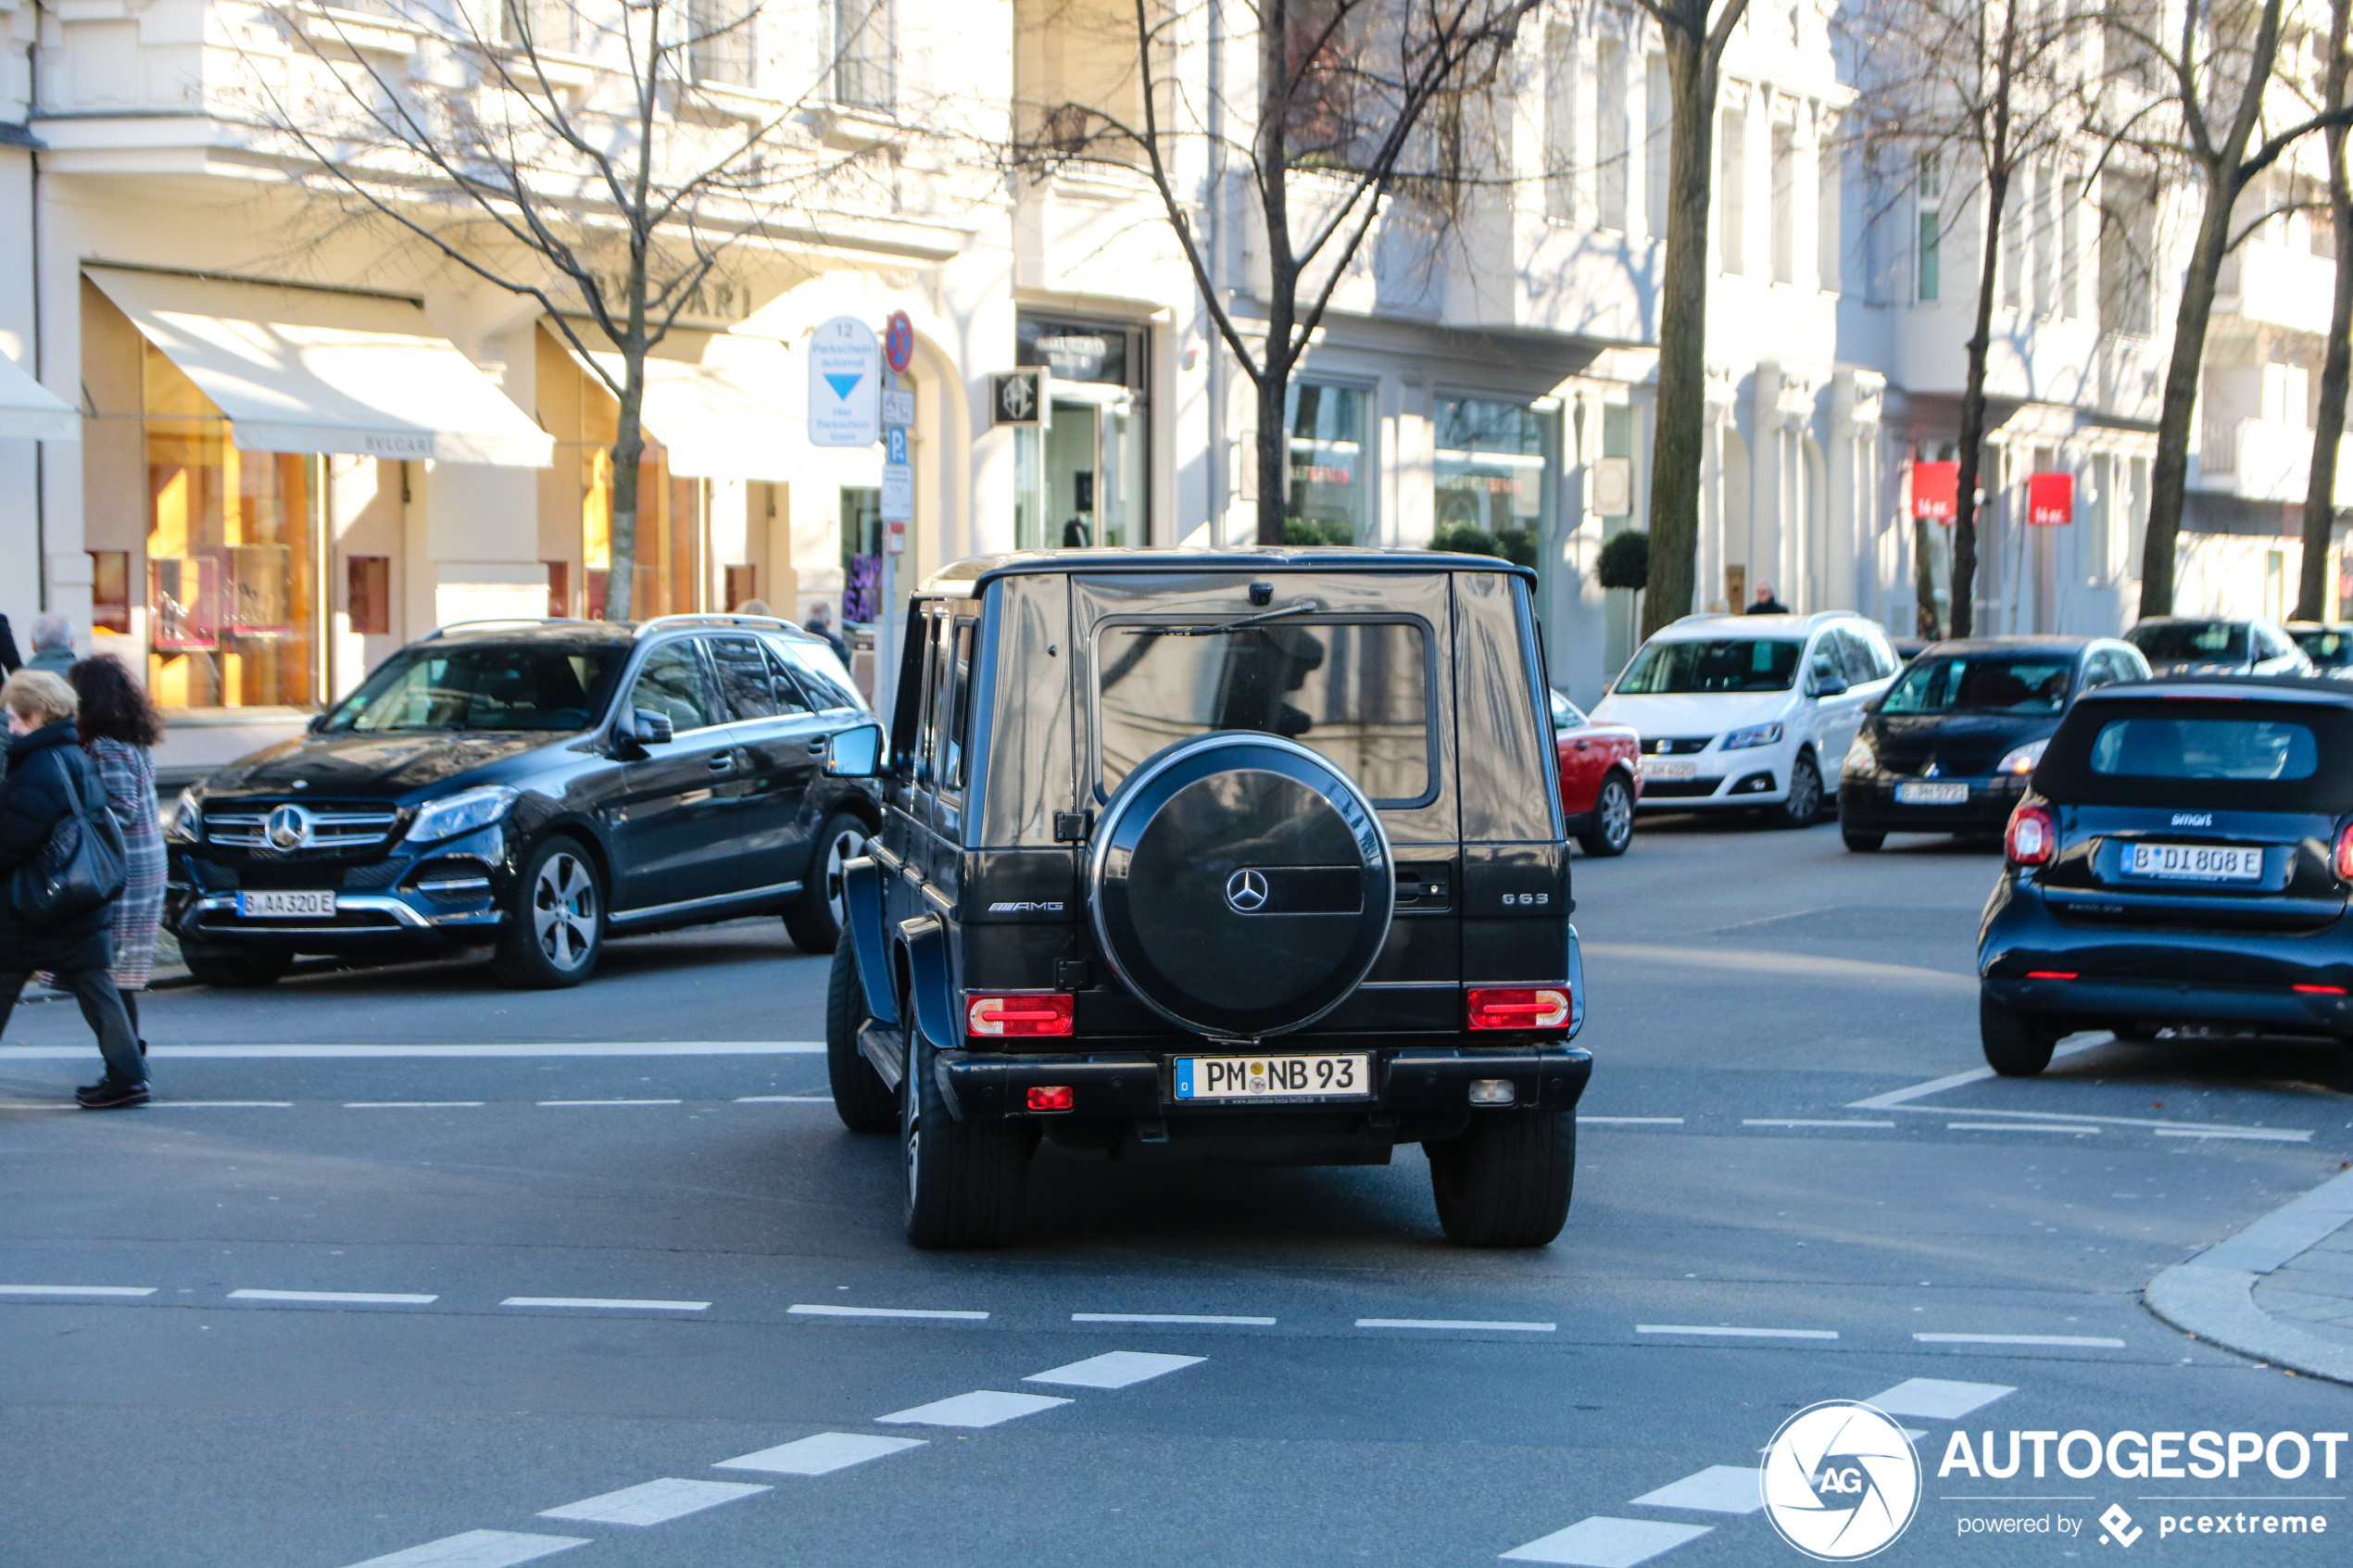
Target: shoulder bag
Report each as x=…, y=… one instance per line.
x=81, y=867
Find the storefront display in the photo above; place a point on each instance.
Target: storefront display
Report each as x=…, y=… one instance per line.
x=1330, y=496
x=1494, y=468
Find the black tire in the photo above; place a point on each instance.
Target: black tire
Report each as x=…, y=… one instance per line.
x=2015, y=1046
x=815, y=919
x=1613, y=827
x=1862, y=843
x=862, y=1099
x=1802, y=808
x=2135, y=1033
x=1508, y=1181
x=966, y=1181
x=555, y=926
x=233, y=971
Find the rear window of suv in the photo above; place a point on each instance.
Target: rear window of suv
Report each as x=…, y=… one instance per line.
x=1355, y=691
x=2211, y=753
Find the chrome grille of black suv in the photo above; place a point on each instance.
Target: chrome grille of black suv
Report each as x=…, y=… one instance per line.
x=337, y=828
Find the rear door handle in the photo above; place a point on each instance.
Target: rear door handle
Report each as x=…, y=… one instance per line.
x=722, y=763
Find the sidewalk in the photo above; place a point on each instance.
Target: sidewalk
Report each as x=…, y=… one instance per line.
x=2280, y=1290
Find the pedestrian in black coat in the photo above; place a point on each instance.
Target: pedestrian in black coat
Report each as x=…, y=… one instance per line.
x=48, y=772
x=9, y=662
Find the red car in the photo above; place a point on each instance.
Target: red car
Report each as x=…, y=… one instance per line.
x=1601, y=778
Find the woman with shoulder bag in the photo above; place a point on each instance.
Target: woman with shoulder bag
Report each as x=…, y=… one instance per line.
x=119, y=727
x=53, y=789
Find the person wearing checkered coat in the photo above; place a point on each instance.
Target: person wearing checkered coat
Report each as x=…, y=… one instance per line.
x=119, y=726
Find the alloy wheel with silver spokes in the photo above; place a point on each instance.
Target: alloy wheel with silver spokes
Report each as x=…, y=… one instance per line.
x=846, y=845
x=563, y=911
x=1613, y=823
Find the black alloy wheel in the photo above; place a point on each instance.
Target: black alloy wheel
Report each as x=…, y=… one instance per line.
x=555, y=926
x=2014, y=1045
x=966, y=1181
x=816, y=920
x=862, y=1099
x=1507, y=1179
x=235, y=970
x=1613, y=827
x=1802, y=806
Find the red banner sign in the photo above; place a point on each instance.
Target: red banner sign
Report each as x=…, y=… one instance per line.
x=1936, y=491
x=2050, y=499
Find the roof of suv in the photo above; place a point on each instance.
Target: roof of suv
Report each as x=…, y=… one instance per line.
x=2023, y=641
x=965, y=577
x=562, y=630
x=1724, y=623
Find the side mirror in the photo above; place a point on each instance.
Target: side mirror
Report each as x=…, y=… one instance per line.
x=1827, y=685
x=318, y=725
x=854, y=753
x=643, y=728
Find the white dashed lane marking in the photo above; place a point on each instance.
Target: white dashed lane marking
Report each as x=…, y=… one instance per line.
x=1630, y=1120
x=220, y=1105
x=344, y=1298
x=78, y=1289
x=476, y=1548
x=984, y=1407
x=2266, y=1135
x=820, y=1455
x=2081, y=1341
x=553, y=1102
x=412, y=1104
x=2017, y=1127
x=1457, y=1323
x=1936, y=1397
x=1797, y=1122
x=783, y=1099
x=1721, y=1331
x=596, y=1302
x=1115, y=1368
x=654, y=1502
x=1603, y=1542
x=443, y=1051
x=1720, y=1488
x=1172, y=1317
x=805, y=1309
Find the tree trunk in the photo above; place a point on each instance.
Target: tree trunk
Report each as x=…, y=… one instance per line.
x=1274, y=476
x=1282, y=268
x=628, y=457
x=1679, y=446
x=2169, y=481
x=1964, y=617
x=1923, y=582
x=2313, y=601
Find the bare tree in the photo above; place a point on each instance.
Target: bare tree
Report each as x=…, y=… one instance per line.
x=2217, y=73
x=1696, y=34
x=1974, y=90
x=1347, y=106
x=588, y=156
x=2313, y=601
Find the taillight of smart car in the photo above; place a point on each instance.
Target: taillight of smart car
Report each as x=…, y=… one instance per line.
x=1519, y=1006
x=2031, y=838
x=1037, y=1014
x=2345, y=854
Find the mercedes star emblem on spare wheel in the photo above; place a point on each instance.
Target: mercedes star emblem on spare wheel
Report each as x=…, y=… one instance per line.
x=1246, y=891
x=289, y=828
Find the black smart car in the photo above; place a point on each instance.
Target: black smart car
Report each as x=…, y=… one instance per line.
x=1249, y=857
x=532, y=787
x=1948, y=747
x=2181, y=860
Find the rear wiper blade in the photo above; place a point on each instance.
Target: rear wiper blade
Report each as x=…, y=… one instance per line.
x=1304, y=606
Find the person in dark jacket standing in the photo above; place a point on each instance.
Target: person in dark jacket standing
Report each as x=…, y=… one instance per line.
x=47, y=773
x=9, y=662
x=1766, y=603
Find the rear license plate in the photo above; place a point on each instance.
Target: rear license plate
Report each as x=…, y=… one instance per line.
x=286, y=906
x=2193, y=862
x=1273, y=1077
x=1931, y=794
x=1668, y=768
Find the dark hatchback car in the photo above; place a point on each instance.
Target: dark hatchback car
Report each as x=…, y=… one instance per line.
x=1948, y=747
x=532, y=787
x=2329, y=647
x=2182, y=859
x=1249, y=857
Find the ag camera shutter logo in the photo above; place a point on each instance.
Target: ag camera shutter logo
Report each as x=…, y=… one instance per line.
x=1840, y=1481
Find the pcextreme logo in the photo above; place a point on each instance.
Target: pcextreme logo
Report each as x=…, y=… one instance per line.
x=1840, y=1481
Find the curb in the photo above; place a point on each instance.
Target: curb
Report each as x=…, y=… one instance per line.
x=2212, y=1294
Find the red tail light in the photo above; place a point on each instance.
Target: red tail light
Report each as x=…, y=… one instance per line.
x=1051, y=1097
x=2050, y=974
x=2031, y=836
x=1039, y=1012
x=2345, y=854
x=2318, y=990
x=1519, y=1006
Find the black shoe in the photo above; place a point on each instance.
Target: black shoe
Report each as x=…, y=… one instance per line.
x=143, y=1047
x=106, y=1096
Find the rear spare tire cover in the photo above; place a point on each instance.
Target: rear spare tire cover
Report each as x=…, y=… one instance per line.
x=1240, y=885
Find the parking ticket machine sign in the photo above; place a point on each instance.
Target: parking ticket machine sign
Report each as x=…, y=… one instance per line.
x=845, y=385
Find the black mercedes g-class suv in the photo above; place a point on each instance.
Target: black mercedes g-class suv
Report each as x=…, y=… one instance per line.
x=1250, y=856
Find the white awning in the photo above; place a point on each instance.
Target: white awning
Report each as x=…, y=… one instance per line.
x=31, y=411
x=715, y=401
x=301, y=370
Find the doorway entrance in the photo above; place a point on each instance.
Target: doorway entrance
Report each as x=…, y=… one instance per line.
x=1093, y=475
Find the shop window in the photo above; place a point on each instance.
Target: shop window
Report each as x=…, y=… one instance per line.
x=367, y=593
x=862, y=554
x=1080, y=479
x=743, y=585
x=671, y=520
x=559, y=589
x=111, y=591
x=1330, y=496
x=1494, y=472
x=233, y=556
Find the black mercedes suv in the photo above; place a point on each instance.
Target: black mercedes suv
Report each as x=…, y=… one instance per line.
x=2181, y=860
x=532, y=787
x=1250, y=856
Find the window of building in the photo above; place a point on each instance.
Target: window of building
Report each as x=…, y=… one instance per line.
x=1732, y=195
x=2128, y=250
x=367, y=593
x=864, y=48
x=1083, y=478
x=1829, y=189
x=2045, y=235
x=721, y=46
x=1560, y=122
x=862, y=554
x=2071, y=243
x=1784, y=205
x=1075, y=74
x=233, y=567
x=1330, y=496
x=1494, y=472
x=542, y=26
x=1930, y=254
x=1657, y=139
x=1609, y=138
x=110, y=592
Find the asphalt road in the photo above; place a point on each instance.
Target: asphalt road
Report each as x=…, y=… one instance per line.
x=1771, y=1211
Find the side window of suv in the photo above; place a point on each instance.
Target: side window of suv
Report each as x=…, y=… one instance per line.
x=1823, y=663
x=670, y=683
x=747, y=686
x=818, y=674
x=1855, y=656
x=956, y=701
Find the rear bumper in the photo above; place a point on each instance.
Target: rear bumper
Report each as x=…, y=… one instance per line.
x=1409, y=1081
x=2089, y=1004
